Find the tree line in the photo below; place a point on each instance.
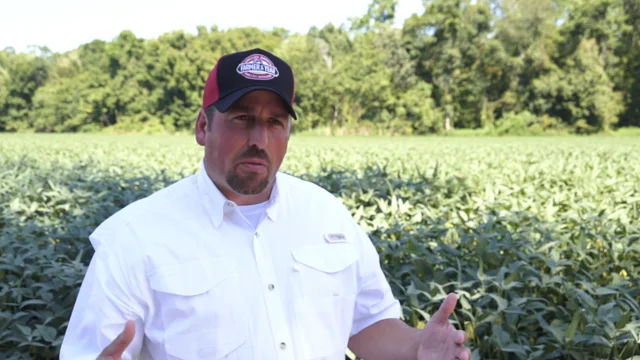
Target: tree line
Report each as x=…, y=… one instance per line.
x=506, y=66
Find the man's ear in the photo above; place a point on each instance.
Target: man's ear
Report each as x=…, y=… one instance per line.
x=201, y=128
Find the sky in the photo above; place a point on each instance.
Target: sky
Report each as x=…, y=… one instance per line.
x=63, y=25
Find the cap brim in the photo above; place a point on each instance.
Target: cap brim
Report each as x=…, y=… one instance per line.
x=224, y=104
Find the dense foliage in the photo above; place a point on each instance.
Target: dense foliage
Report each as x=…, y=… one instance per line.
x=505, y=66
x=543, y=247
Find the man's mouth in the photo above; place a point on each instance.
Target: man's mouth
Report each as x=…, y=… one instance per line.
x=253, y=164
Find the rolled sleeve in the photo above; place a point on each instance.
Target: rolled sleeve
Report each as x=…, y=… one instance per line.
x=375, y=300
x=106, y=300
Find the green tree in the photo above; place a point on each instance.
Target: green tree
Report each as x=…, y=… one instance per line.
x=529, y=34
x=448, y=42
x=379, y=12
x=581, y=93
x=21, y=75
x=630, y=63
x=314, y=73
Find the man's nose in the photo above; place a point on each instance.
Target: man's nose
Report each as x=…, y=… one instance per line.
x=258, y=135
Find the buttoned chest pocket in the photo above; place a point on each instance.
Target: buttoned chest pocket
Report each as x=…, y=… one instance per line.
x=203, y=313
x=327, y=280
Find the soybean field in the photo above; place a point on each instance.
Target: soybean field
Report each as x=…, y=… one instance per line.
x=539, y=237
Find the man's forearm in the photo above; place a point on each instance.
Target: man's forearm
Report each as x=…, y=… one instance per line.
x=386, y=339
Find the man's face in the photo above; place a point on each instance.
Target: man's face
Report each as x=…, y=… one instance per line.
x=245, y=146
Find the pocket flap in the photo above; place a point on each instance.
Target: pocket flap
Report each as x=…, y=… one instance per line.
x=328, y=258
x=191, y=277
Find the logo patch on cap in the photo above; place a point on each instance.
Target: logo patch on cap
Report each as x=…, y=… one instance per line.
x=257, y=67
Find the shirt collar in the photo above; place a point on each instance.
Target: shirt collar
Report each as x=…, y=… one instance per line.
x=218, y=205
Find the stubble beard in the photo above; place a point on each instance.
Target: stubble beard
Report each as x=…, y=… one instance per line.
x=249, y=184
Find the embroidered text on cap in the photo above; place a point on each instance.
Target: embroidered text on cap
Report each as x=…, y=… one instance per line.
x=257, y=67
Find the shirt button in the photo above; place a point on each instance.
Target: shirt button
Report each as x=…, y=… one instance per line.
x=283, y=346
x=271, y=287
x=257, y=234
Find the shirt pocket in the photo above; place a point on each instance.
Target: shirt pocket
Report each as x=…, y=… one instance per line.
x=326, y=275
x=200, y=306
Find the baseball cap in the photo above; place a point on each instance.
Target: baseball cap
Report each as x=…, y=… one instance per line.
x=239, y=73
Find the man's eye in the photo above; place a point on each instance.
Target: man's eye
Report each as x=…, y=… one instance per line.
x=277, y=122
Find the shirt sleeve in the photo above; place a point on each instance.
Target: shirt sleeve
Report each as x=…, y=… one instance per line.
x=375, y=300
x=107, y=298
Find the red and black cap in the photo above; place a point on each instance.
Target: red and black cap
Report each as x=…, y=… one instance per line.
x=237, y=74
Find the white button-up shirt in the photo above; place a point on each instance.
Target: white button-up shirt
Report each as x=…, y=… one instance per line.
x=202, y=283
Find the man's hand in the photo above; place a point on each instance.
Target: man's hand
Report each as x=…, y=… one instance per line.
x=114, y=350
x=439, y=340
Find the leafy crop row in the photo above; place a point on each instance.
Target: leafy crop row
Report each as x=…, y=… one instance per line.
x=540, y=238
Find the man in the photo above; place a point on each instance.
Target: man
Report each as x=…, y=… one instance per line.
x=241, y=261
